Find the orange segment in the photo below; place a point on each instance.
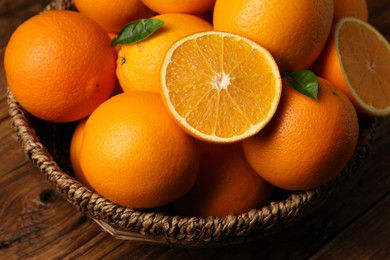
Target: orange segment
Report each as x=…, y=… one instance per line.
x=220, y=87
x=364, y=56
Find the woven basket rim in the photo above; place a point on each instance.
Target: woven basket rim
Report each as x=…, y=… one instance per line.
x=127, y=223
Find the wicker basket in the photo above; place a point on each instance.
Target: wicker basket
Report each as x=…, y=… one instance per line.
x=46, y=145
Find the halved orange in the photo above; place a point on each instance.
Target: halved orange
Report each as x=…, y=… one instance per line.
x=220, y=87
x=357, y=61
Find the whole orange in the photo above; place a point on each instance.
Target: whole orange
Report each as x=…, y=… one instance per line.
x=226, y=184
x=138, y=65
x=294, y=32
x=134, y=154
x=308, y=142
x=179, y=6
x=113, y=15
x=350, y=8
x=60, y=66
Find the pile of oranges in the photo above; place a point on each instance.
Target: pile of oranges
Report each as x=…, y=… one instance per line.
x=222, y=103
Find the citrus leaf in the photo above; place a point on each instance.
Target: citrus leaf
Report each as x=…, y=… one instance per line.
x=303, y=81
x=136, y=31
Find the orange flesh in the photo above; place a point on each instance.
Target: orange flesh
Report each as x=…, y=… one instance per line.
x=231, y=85
x=370, y=79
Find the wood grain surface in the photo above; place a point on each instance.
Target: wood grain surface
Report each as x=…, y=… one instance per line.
x=37, y=223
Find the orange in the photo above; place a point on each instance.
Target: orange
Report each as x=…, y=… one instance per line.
x=60, y=66
x=139, y=64
x=113, y=15
x=226, y=184
x=308, y=142
x=179, y=6
x=75, y=147
x=294, y=33
x=357, y=61
x=135, y=155
x=220, y=87
x=350, y=8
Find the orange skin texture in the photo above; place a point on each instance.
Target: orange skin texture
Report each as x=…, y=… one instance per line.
x=308, y=142
x=138, y=65
x=179, y=6
x=328, y=66
x=134, y=154
x=294, y=33
x=350, y=8
x=226, y=184
x=60, y=66
x=75, y=148
x=112, y=16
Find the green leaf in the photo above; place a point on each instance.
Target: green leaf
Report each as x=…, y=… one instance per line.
x=136, y=31
x=303, y=81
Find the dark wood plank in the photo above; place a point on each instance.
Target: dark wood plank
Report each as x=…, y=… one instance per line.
x=11, y=154
x=374, y=226
x=38, y=222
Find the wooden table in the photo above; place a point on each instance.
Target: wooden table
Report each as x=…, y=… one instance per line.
x=37, y=223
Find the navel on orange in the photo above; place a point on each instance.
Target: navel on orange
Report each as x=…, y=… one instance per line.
x=220, y=87
x=357, y=61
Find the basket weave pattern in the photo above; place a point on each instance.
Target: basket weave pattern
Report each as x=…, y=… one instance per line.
x=133, y=224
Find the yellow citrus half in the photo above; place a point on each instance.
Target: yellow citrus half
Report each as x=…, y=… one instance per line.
x=220, y=87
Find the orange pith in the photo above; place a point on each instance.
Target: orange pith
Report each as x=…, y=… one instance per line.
x=221, y=87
